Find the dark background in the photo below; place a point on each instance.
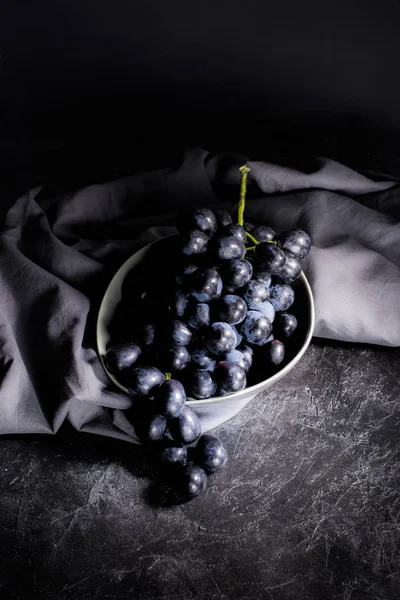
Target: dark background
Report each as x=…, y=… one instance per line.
x=102, y=88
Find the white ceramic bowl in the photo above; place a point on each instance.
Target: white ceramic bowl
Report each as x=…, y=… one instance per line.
x=213, y=411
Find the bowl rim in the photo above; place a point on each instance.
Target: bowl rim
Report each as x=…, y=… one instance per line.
x=124, y=269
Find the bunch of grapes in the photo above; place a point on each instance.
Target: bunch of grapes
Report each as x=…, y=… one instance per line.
x=226, y=304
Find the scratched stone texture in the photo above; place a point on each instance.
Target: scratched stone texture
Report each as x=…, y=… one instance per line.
x=307, y=508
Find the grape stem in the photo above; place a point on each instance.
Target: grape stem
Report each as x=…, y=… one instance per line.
x=167, y=376
x=253, y=239
x=242, y=201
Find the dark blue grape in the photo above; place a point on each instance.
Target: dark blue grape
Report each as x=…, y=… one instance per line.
x=229, y=377
x=237, y=357
x=121, y=357
x=202, y=219
x=269, y=257
x=254, y=292
x=274, y=352
x=256, y=328
x=176, y=357
x=203, y=385
x=157, y=428
x=194, y=480
x=147, y=335
x=174, y=456
x=231, y=309
x=182, y=274
x=295, y=241
x=236, y=273
x=144, y=380
x=182, y=299
x=223, y=218
x=199, y=316
x=210, y=453
x=206, y=284
x=227, y=247
x=248, y=352
x=202, y=359
x=186, y=428
x=239, y=338
x=194, y=243
x=285, y=324
x=281, y=296
x=237, y=231
x=262, y=233
x=220, y=338
x=291, y=269
x=180, y=333
x=170, y=398
x=267, y=310
x=263, y=276
x=249, y=226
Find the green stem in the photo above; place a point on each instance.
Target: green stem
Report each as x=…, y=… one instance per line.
x=250, y=248
x=242, y=201
x=253, y=239
x=167, y=376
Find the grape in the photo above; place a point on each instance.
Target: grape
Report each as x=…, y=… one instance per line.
x=144, y=380
x=206, y=284
x=186, y=428
x=290, y=271
x=199, y=316
x=157, y=428
x=281, y=296
x=255, y=292
x=220, y=338
x=269, y=257
x=180, y=333
x=237, y=231
x=263, y=276
x=195, y=243
x=122, y=357
x=231, y=309
x=170, y=398
x=285, y=324
x=194, y=480
x=228, y=248
x=275, y=352
x=203, y=385
x=201, y=359
x=295, y=241
x=184, y=272
x=248, y=353
x=223, y=218
x=174, y=456
x=146, y=336
x=210, y=453
x=182, y=299
x=256, y=328
x=237, y=357
x=176, y=357
x=202, y=219
x=229, y=377
x=236, y=273
x=239, y=338
x=267, y=310
x=262, y=233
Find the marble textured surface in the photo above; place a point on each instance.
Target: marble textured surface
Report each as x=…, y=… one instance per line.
x=307, y=508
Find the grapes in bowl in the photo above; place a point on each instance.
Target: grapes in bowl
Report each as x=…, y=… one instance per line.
x=194, y=325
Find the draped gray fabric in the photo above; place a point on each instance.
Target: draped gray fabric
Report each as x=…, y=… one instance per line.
x=60, y=250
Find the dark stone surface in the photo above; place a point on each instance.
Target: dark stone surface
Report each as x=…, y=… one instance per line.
x=307, y=507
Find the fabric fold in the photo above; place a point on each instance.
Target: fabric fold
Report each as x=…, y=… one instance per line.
x=58, y=252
